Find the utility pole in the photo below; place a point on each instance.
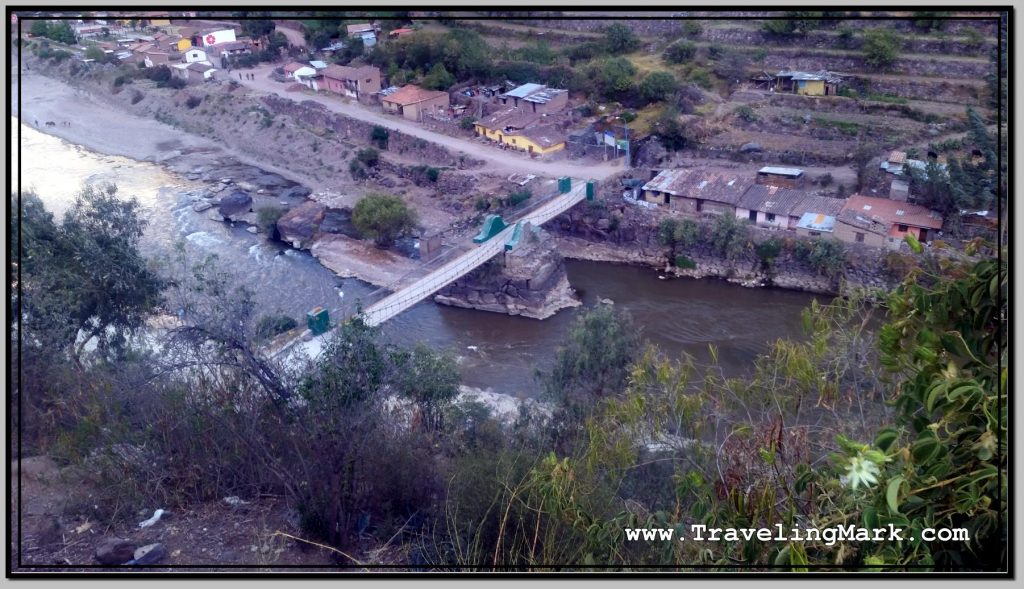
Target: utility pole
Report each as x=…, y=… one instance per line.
x=625, y=126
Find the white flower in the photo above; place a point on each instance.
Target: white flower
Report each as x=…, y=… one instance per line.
x=862, y=472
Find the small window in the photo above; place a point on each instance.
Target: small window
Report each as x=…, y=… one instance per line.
x=902, y=228
x=860, y=238
x=770, y=217
x=814, y=233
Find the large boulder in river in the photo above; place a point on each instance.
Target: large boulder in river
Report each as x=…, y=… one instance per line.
x=300, y=225
x=235, y=204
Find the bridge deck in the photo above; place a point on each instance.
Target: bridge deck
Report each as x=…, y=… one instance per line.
x=413, y=293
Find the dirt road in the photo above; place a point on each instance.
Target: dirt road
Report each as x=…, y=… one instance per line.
x=294, y=37
x=497, y=161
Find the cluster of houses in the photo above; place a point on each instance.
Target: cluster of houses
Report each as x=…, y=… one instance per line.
x=775, y=198
x=527, y=119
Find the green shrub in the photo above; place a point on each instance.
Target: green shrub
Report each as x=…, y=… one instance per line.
x=357, y=170
x=881, y=47
x=267, y=218
x=369, y=157
x=679, y=52
x=379, y=135
x=666, y=231
x=466, y=123
x=518, y=197
x=137, y=97
x=193, y=101
x=685, y=263
x=687, y=233
x=273, y=325
x=433, y=174
x=383, y=218
x=746, y=113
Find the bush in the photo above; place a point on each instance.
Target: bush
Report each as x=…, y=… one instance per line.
x=137, y=97
x=700, y=77
x=267, y=218
x=729, y=236
x=747, y=114
x=176, y=83
x=193, y=101
x=379, y=135
x=517, y=198
x=368, y=157
x=383, y=218
x=692, y=28
x=768, y=250
x=121, y=80
x=666, y=230
x=357, y=170
x=679, y=52
x=685, y=263
x=433, y=174
x=881, y=47
x=687, y=233
x=273, y=325
x=826, y=256
x=466, y=123
x=657, y=86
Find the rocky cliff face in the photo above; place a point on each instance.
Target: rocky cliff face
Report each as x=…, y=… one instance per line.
x=529, y=280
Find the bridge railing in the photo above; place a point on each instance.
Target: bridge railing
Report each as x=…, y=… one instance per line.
x=451, y=253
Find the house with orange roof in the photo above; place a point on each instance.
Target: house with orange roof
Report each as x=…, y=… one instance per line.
x=881, y=222
x=413, y=102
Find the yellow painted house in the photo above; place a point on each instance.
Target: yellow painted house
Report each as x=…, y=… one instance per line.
x=184, y=45
x=518, y=130
x=820, y=83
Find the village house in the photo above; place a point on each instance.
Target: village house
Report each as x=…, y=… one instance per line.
x=355, y=82
x=518, y=130
x=504, y=122
x=816, y=215
x=365, y=31
x=696, y=191
x=819, y=83
x=897, y=162
x=217, y=37
x=535, y=98
x=781, y=177
x=882, y=222
x=413, y=102
x=770, y=206
x=155, y=58
x=230, y=48
x=195, y=55
x=193, y=73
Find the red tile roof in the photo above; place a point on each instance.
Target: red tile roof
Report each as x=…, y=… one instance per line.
x=411, y=94
x=293, y=67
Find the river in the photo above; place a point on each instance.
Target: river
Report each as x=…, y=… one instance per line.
x=495, y=352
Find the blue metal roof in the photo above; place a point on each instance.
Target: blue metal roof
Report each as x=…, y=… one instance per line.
x=524, y=90
x=817, y=222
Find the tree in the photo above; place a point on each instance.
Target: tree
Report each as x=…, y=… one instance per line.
x=619, y=39
x=612, y=76
x=799, y=23
x=383, y=218
x=657, y=86
x=669, y=131
x=85, y=280
x=257, y=28
x=438, y=78
x=95, y=53
x=881, y=47
x=594, y=360
x=729, y=236
x=379, y=136
x=428, y=379
x=680, y=52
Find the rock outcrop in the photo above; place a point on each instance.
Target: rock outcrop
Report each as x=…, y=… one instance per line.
x=528, y=280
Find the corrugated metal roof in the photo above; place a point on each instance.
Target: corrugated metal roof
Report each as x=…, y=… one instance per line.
x=819, y=205
x=771, y=199
x=524, y=90
x=898, y=157
x=726, y=188
x=817, y=222
x=889, y=212
x=781, y=171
